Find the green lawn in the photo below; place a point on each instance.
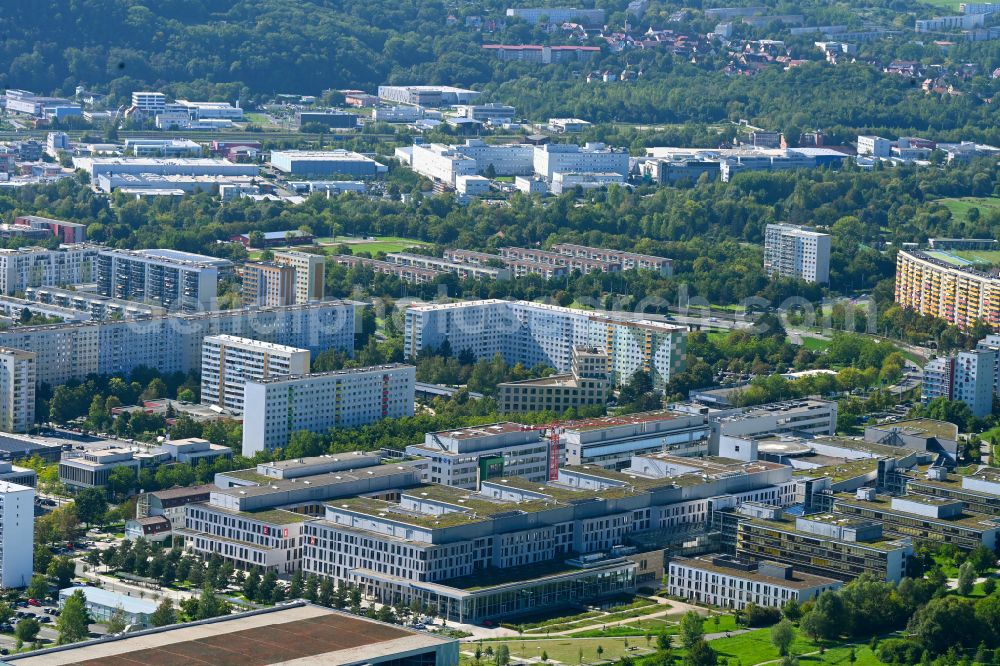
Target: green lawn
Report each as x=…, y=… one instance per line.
x=980, y=256
x=567, y=650
x=959, y=206
x=815, y=344
x=842, y=655
x=380, y=244
x=755, y=647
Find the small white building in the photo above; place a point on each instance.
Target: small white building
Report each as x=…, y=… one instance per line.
x=874, y=146
x=103, y=603
x=472, y=186
x=721, y=581
x=531, y=185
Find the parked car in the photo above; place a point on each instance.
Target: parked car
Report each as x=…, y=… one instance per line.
x=34, y=602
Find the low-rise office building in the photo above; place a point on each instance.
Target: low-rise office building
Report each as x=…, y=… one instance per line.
x=979, y=493
x=722, y=581
x=937, y=438
x=277, y=406
x=465, y=458
x=91, y=469
x=823, y=544
x=325, y=163
x=612, y=441
x=811, y=416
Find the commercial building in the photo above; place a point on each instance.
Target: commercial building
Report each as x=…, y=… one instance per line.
x=728, y=583
x=192, y=450
x=611, y=442
x=50, y=108
x=67, y=232
x=17, y=390
x=22, y=476
x=170, y=504
x=987, y=244
x=154, y=184
x=822, y=544
x=291, y=632
x=942, y=285
x=268, y=284
x=568, y=125
x=155, y=529
x=150, y=103
x=17, y=534
x=936, y=438
x=229, y=362
x=516, y=546
x=874, y=146
x=102, y=604
x=325, y=163
x=466, y=458
x=162, y=148
x=173, y=343
x=492, y=112
x=551, y=158
x=558, y=15
x=793, y=251
x=92, y=468
x=332, y=119
x=310, y=274
x=276, y=407
x=190, y=166
x=767, y=160
x=211, y=110
x=172, y=279
x=534, y=333
x=924, y=518
x=95, y=306
x=37, y=267
x=810, y=416
x=587, y=384
x=979, y=493
x=968, y=376
x=442, y=163
x=562, y=181
x=431, y=96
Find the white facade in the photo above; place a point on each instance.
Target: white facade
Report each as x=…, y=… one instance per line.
x=427, y=95
x=229, y=362
x=276, y=408
x=205, y=110
x=716, y=582
x=173, y=343
x=190, y=166
x=533, y=333
x=611, y=442
x=875, y=146
x=561, y=182
x=17, y=390
x=325, y=163
x=454, y=456
x=945, y=23
x=512, y=159
x=969, y=376
x=271, y=540
x=442, y=163
x=791, y=251
x=151, y=103
x=570, y=158
x=818, y=417
x=557, y=15
x=17, y=531
x=472, y=186
x=38, y=267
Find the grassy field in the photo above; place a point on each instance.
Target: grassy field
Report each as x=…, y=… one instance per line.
x=980, y=256
x=815, y=344
x=567, y=650
x=960, y=206
x=380, y=244
x=755, y=647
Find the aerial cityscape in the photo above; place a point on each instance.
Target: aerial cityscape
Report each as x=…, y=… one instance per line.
x=481, y=333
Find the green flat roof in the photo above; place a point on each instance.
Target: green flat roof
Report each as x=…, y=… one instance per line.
x=249, y=475
x=842, y=471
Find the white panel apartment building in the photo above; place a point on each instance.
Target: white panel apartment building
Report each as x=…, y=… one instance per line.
x=504, y=449
x=310, y=273
x=172, y=343
x=169, y=278
x=229, y=362
x=791, y=251
x=17, y=390
x=570, y=158
x=17, y=534
x=277, y=407
x=533, y=333
x=724, y=582
x=38, y=267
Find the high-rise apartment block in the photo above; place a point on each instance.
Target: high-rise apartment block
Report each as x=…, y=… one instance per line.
x=229, y=362
x=276, y=407
x=968, y=376
x=17, y=534
x=38, y=267
x=172, y=343
x=792, y=251
x=268, y=284
x=173, y=279
x=17, y=390
x=310, y=274
x=946, y=286
x=535, y=333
